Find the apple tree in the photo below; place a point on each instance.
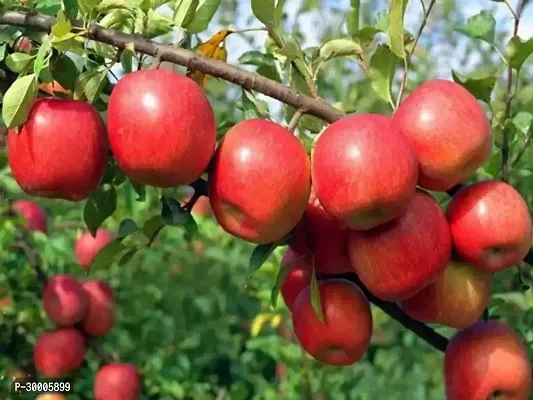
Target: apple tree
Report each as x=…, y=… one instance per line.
x=265, y=199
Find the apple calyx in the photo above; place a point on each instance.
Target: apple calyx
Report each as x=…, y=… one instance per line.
x=497, y=395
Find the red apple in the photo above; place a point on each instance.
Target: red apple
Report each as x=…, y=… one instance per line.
x=87, y=247
x=325, y=236
x=456, y=299
x=201, y=207
x=364, y=172
x=64, y=299
x=346, y=333
x=33, y=214
x=398, y=259
x=60, y=151
x=22, y=44
x=260, y=181
x=117, y=381
x=490, y=225
x=300, y=267
x=101, y=310
x=487, y=361
x=449, y=130
x=161, y=128
x=58, y=353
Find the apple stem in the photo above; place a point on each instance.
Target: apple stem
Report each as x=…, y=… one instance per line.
x=157, y=61
x=295, y=120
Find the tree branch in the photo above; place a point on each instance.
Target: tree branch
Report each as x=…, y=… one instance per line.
x=192, y=60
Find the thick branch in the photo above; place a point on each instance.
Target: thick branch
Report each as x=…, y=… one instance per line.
x=192, y=60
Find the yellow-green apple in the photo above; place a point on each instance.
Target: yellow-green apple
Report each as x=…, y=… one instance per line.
x=117, y=381
x=100, y=316
x=87, y=247
x=64, y=300
x=59, y=352
x=398, y=259
x=450, y=132
x=364, y=172
x=325, y=236
x=345, y=335
x=456, y=299
x=490, y=225
x=487, y=362
x=33, y=214
x=260, y=181
x=60, y=151
x=298, y=276
x=161, y=128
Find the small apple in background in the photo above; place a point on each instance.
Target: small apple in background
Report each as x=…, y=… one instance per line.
x=87, y=247
x=60, y=151
x=456, y=299
x=34, y=215
x=490, y=225
x=300, y=267
x=161, y=128
x=396, y=260
x=345, y=336
x=118, y=381
x=64, y=300
x=100, y=316
x=364, y=172
x=487, y=361
x=58, y=353
x=325, y=236
x=201, y=207
x=50, y=396
x=260, y=181
x=449, y=130
x=22, y=44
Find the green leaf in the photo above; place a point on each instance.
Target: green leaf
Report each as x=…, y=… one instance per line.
x=116, y=19
x=269, y=12
x=266, y=64
x=126, y=258
x=315, y=297
x=127, y=227
x=274, y=294
x=480, y=26
x=140, y=21
x=382, y=68
x=107, y=255
x=2, y=51
x=107, y=5
x=522, y=121
x=158, y=25
x=87, y=6
x=252, y=107
x=395, y=31
x=18, y=62
x=152, y=226
x=71, y=7
x=518, y=51
x=339, y=48
x=140, y=190
x=49, y=7
x=203, y=15
x=64, y=71
x=290, y=51
x=260, y=255
x=90, y=84
x=18, y=100
x=480, y=88
x=183, y=10
x=62, y=25
x=354, y=17
x=43, y=56
x=100, y=205
x=69, y=42
x=173, y=214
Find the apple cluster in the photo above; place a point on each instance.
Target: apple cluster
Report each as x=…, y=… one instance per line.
x=362, y=203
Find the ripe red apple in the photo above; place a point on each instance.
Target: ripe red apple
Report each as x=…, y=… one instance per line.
x=456, y=299
x=325, y=236
x=364, y=172
x=33, y=214
x=64, y=299
x=346, y=333
x=117, y=381
x=398, y=259
x=161, y=128
x=260, y=181
x=101, y=309
x=87, y=247
x=300, y=267
x=490, y=225
x=60, y=151
x=487, y=361
x=449, y=130
x=58, y=353
x=22, y=44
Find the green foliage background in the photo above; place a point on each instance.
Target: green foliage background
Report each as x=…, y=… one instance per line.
x=192, y=321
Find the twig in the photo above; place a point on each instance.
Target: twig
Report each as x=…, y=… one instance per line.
x=522, y=151
x=509, y=97
x=407, y=64
x=295, y=120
